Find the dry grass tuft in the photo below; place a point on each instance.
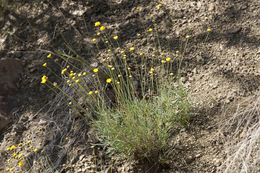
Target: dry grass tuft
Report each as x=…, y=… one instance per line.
x=243, y=142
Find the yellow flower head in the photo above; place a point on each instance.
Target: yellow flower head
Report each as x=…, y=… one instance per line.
x=55, y=84
x=44, y=80
x=84, y=73
x=70, y=103
x=20, y=144
x=106, y=42
x=129, y=68
x=115, y=37
x=109, y=50
x=44, y=65
x=187, y=36
x=138, y=35
x=20, y=163
x=95, y=70
x=171, y=74
x=66, y=138
x=94, y=40
x=130, y=76
x=132, y=48
x=150, y=30
x=109, y=80
x=177, y=52
x=35, y=150
x=141, y=54
x=7, y=169
x=102, y=28
x=29, y=142
x=138, y=8
x=98, y=34
x=90, y=92
x=49, y=56
x=159, y=5
x=93, y=75
x=113, y=68
x=168, y=59
x=12, y=147
x=119, y=75
x=79, y=75
x=20, y=155
x=14, y=155
x=64, y=70
x=77, y=81
x=122, y=51
x=12, y=169
x=97, y=23
x=96, y=92
x=209, y=30
x=152, y=69
x=162, y=61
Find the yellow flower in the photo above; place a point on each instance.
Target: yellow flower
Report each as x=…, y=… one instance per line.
x=44, y=79
x=14, y=155
x=119, y=75
x=44, y=65
x=94, y=40
x=177, y=52
x=95, y=70
x=109, y=80
x=93, y=75
x=138, y=8
x=68, y=66
x=109, y=50
x=102, y=28
x=171, y=74
x=29, y=142
x=20, y=155
x=96, y=92
x=132, y=48
x=106, y=42
x=138, y=35
x=98, y=34
x=70, y=103
x=122, y=51
x=90, y=92
x=187, y=36
x=55, y=84
x=66, y=138
x=64, y=70
x=68, y=81
x=141, y=54
x=97, y=23
x=168, y=59
x=162, y=61
x=70, y=84
x=84, y=73
x=152, y=69
x=118, y=82
x=12, y=147
x=159, y=5
x=31, y=147
x=77, y=81
x=130, y=76
x=7, y=169
x=115, y=37
x=129, y=68
x=73, y=78
x=20, y=163
x=113, y=68
x=124, y=57
x=209, y=30
x=8, y=160
x=49, y=56
x=150, y=30
x=12, y=169
x=108, y=58
x=35, y=150
x=79, y=74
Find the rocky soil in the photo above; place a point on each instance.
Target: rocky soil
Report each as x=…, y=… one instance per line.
x=219, y=73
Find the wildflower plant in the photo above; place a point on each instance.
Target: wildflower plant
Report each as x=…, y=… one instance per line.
x=130, y=98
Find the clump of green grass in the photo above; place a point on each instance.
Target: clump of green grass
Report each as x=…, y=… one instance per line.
x=140, y=129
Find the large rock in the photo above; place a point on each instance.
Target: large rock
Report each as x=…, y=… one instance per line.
x=10, y=70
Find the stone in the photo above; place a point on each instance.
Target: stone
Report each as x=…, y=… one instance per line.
x=10, y=70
